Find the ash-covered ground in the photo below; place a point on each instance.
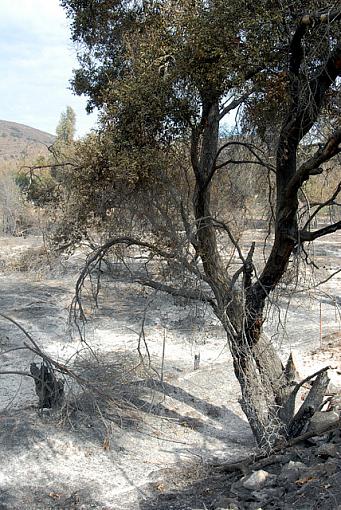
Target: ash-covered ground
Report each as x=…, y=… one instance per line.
x=145, y=436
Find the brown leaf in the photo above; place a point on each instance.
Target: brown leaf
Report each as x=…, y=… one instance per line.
x=106, y=444
x=303, y=481
x=54, y=495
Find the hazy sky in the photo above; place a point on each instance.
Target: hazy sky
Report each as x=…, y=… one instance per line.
x=36, y=62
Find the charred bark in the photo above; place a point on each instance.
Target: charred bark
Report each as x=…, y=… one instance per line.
x=49, y=389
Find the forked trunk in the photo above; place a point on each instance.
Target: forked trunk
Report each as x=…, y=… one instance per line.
x=269, y=389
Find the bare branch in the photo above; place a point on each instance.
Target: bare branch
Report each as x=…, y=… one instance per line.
x=234, y=104
x=239, y=162
x=32, y=341
x=319, y=283
x=236, y=276
x=3, y=353
x=312, y=165
x=97, y=256
x=305, y=235
x=249, y=267
x=225, y=227
x=311, y=403
x=252, y=148
x=307, y=379
x=51, y=165
x=37, y=350
x=95, y=259
x=16, y=372
x=330, y=201
x=194, y=294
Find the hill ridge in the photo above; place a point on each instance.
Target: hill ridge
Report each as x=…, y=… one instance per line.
x=20, y=141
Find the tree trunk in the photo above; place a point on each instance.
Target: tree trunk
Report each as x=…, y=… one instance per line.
x=269, y=389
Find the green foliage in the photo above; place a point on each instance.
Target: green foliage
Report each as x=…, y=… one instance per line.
x=150, y=66
x=116, y=190
x=154, y=68
x=37, y=186
x=42, y=180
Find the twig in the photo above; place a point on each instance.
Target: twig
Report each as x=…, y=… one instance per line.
x=319, y=283
x=2, y=353
x=52, y=363
x=33, y=342
x=163, y=354
x=16, y=372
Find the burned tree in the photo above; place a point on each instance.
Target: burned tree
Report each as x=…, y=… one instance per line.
x=165, y=75
x=49, y=389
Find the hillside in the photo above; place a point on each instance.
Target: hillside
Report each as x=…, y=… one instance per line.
x=18, y=141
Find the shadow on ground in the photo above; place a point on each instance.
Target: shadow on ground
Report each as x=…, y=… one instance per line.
x=187, y=490
x=55, y=497
x=125, y=391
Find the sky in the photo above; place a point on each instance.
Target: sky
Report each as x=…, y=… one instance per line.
x=36, y=63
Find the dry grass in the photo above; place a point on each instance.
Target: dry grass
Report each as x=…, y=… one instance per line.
x=36, y=260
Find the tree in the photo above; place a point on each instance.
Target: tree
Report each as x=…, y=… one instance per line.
x=40, y=180
x=165, y=74
x=66, y=127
